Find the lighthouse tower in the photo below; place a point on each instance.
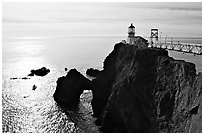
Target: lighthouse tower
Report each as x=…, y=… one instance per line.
x=131, y=34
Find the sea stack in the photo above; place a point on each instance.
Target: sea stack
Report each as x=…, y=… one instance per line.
x=70, y=87
x=39, y=72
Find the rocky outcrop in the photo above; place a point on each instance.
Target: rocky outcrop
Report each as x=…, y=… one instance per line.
x=92, y=72
x=34, y=87
x=23, y=78
x=70, y=87
x=39, y=72
x=145, y=90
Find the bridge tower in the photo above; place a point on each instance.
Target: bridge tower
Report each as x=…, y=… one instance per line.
x=154, y=36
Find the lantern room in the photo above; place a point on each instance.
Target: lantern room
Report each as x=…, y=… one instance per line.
x=131, y=30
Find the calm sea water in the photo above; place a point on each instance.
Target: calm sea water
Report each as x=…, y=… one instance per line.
x=25, y=110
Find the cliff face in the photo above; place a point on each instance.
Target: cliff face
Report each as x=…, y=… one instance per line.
x=144, y=90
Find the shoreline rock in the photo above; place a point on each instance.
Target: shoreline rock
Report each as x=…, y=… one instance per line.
x=39, y=72
x=70, y=87
x=23, y=78
x=34, y=87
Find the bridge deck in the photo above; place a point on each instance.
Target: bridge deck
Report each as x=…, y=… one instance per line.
x=180, y=47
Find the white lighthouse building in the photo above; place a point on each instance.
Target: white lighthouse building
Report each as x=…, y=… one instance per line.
x=135, y=40
x=131, y=34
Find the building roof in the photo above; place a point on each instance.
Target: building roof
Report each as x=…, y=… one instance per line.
x=131, y=26
x=154, y=29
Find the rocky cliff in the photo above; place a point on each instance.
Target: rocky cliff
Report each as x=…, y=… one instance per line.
x=69, y=88
x=145, y=90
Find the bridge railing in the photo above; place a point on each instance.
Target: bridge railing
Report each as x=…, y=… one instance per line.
x=180, y=47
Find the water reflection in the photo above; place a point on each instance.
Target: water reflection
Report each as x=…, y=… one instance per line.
x=25, y=110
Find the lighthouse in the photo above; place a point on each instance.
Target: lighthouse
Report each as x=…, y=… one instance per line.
x=131, y=34
x=138, y=41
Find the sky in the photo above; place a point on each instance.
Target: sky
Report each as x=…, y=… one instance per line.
x=100, y=19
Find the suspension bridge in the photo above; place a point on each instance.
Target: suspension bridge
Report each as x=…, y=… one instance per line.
x=195, y=49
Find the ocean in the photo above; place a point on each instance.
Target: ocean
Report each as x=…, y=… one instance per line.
x=28, y=111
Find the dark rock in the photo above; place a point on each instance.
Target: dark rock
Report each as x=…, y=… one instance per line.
x=144, y=90
x=39, y=72
x=34, y=87
x=101, y=86
x=70, y=87
x=31, y=74
x=98, y=122
x=14, y=78
x=25, y=96
x=194, y=110
x=25, y=78
x=65, y=69
x=92, y=72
